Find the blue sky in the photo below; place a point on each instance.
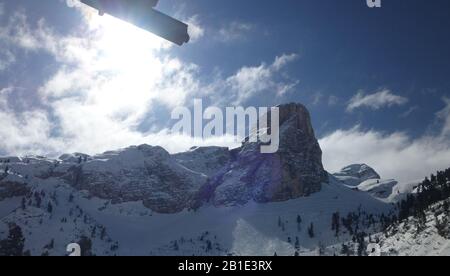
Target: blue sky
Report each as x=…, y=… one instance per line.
x=375, y=80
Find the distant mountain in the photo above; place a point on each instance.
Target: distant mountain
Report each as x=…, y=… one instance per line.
x=355, y=174
x=364, y=178
x=141, y=200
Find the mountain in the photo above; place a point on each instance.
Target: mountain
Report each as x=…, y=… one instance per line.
x=294, y=171
x=142, y=200
x=355, y=174
x=362, y=177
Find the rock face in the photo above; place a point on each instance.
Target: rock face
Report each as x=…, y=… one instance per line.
x=294, y=171
x=355, y=174
x=208, y=160
x=143, y=173
x=168, y=183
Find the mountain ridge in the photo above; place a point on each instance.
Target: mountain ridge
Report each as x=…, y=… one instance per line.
x=142, y=200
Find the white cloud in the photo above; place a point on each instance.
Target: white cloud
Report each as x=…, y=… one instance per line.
x=110, y=77
x=320, y=98
x=317, y=98
x=333, y=100
x=195, y=30
x=6, y=58
x=234, y=31
x=383, y=98
x=250, y=81
x=444, y=115
x=408, y=112
x=395, y=155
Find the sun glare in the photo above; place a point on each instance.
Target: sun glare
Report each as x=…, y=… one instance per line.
x=131, y=63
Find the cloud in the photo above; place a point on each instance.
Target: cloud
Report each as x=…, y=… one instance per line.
x=234, y=31
x=333, y=100
x=318, y=97
x=195, y=30
x=111, y=77
x=383, y=98
x=393, y=155
x=251, y=81
x=28, y=131
x=110, y=74
x=408, y=112
x=7, y=58
x=444, y=115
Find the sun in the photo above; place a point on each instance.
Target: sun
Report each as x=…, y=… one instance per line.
x=129, y=62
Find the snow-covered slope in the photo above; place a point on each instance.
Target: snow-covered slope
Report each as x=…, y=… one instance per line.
x=411, y=239
x=378, y=188
x=132, y=229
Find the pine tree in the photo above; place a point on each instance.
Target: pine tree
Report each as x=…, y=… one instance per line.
x=23, y=204
x=14, y=244
x=446, y=207
x=86, y=246
x=345, y=250
x=299, y=223
x=208, y=246
x=38, y=199
x=311, y=230
x=335, y=223
x=50, y=245
x=49, y=208
x=103, y=233
x=297, y=243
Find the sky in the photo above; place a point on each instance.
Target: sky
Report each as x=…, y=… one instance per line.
x=375, y=80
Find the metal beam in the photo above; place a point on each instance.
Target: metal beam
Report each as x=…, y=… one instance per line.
x=142, y=14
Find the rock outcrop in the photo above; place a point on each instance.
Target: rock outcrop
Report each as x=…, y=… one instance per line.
x=143, y=173
x=295, y=170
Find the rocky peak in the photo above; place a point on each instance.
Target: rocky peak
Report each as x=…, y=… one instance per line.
x=298, y=117
x=355, y=174
x=294, y=171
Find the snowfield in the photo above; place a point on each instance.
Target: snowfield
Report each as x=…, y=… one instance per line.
x=252, y=229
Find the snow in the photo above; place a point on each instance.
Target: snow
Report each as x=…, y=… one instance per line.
x=378, y=188
x=248, y=229
x=355, y=174
x=409, y=242
x=251, y=229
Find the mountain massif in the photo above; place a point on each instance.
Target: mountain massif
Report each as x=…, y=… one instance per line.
x=142, y=200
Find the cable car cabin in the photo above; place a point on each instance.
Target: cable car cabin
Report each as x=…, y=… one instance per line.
x=142, y=14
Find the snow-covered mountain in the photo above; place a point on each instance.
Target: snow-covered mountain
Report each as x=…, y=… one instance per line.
x=355, y=174
x=363, y=178
x=141, y=200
